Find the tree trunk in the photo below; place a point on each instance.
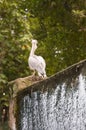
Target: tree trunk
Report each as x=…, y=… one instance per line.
x=12, y=119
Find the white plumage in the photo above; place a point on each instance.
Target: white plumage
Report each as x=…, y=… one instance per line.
x=36, y=62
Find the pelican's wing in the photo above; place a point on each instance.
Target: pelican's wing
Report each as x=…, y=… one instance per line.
x=41, y=65
x=37, y=63
x=41, y=61
x=34, y=61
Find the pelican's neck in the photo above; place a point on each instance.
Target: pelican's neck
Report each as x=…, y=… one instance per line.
x=32, y=50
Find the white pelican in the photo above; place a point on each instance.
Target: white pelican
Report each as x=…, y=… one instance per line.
x=36, y=63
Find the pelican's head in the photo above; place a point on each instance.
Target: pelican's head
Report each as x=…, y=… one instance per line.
x=34, y=43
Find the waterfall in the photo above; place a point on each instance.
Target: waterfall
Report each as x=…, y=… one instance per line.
x=60, y=105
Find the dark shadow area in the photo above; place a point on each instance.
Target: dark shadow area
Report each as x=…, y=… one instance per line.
x=4, y=118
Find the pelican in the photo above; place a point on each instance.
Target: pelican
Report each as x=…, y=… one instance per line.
x=36, y=63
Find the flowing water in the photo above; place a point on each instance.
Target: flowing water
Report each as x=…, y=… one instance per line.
x=61, y=108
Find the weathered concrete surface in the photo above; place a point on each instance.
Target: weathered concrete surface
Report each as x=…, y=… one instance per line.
x=22, y=83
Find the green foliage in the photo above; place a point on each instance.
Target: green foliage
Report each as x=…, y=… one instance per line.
x=3, y=91
x=15, y=38
x=59, y=26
